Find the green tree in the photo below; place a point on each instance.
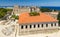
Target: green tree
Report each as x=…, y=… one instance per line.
x=2, y=12
x=34, y=13
x=45, y=10
x=58, y=17
x=14, y=16
x=9, y=9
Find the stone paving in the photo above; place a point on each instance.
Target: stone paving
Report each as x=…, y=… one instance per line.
x=9, y=31
x=4, y=32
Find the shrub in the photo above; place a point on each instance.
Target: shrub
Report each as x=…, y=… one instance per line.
x=14, y=16
x=58, y=17
x=33, y=14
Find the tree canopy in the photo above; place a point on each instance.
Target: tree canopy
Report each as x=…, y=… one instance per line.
x=14, y=16
x=58, y=17
x=34, y=13
x=3, y=12
x=45, y=10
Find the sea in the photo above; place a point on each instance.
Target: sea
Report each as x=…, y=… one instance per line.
x=50, y=7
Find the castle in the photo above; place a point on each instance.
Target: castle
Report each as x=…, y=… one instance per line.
x=17, y=9
x=20, y=9
x=34, y=24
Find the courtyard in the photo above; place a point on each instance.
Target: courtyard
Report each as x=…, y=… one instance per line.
x=10, y=31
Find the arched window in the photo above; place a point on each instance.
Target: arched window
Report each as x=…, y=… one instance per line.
x=26, y=26
x=42, y=25
x=22, y=27
x=55, y=24
x=52, y=24
x=46, y=25
x=58, y=24
x=38, y=25
x=34, y=25
x=30, y=26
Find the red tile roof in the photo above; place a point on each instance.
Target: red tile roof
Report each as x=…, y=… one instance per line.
x=26, y=18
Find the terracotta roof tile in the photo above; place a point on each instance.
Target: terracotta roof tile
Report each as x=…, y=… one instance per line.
x=26, y=18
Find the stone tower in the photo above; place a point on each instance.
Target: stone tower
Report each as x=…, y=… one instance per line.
x=16, y=10
x=34, y=9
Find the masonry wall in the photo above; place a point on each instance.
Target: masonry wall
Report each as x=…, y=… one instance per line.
x=17, y=10
x=36, y=29
x=20, y=10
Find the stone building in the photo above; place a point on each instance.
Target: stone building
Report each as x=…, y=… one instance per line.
x=17, y=9
x=34, y=9
x=34, y=24
x=53, y=14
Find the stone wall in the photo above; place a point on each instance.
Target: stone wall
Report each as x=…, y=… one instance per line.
x=37, y=29
x=53, y=14
x=17, y=10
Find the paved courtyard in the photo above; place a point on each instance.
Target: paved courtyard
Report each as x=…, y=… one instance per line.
x=56, y=34
x=10, y=31
x=2, y=34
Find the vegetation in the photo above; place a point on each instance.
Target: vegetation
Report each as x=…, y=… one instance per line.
x=34, y=13
x=58, y=17
x=3, y=12
x=14, y=16
x=45, y=10
x=55, y=10
x=9, y=9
